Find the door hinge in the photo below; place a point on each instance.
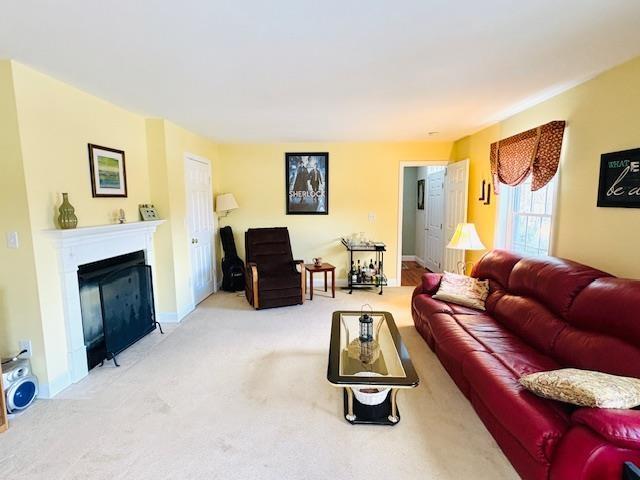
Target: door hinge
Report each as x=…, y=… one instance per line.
x=440, y=226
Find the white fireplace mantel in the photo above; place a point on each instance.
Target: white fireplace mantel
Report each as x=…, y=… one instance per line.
x=84, y=245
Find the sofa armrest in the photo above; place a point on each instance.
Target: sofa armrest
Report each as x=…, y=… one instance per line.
x=430, y=283
x=619, y=427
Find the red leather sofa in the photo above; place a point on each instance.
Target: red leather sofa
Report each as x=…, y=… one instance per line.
x=541, y=314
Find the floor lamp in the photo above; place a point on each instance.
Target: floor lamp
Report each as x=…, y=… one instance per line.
x=465, y=238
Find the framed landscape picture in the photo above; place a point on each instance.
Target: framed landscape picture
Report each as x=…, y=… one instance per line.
x=307, y=183
x=108, y=174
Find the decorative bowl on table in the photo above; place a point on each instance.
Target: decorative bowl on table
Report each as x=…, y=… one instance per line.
x=370, y=395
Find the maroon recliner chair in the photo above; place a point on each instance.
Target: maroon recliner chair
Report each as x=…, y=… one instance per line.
x=272, y=275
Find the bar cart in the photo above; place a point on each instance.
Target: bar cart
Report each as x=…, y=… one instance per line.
x=379, y=279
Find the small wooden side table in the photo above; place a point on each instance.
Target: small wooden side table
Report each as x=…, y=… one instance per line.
x=312, y=268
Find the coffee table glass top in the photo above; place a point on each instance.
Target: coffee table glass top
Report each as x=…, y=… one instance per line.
x=383, y=361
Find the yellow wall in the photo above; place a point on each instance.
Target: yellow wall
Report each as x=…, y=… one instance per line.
x=56, y=122
x=363, y=178
x=602, y=116
x=45, y=128
x=19, y=302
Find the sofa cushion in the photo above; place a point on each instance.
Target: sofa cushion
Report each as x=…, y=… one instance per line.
x=537, y=423
x=514, y=353
x=452, y=343
x=620, y=427
x=530, y=320
x=460, y=309
x=496, y=266
x=610, y=306
x=594, y=351
x=554, y=282
x=427, y=306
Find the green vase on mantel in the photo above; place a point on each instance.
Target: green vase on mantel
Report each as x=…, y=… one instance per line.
x=67, y=218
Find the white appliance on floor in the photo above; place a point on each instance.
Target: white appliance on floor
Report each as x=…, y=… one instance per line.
x=20, y=385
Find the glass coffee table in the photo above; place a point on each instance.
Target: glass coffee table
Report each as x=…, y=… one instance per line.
x=370, y=372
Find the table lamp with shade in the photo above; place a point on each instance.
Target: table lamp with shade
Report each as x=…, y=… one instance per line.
x=225, y=203
x=465, y=238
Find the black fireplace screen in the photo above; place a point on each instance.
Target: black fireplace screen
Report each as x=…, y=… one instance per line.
x=116, y=297
x=126, y=297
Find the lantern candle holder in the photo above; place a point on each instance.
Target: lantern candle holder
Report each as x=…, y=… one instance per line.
x=366, y=324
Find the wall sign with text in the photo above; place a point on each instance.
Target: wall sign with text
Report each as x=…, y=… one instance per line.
x=620, y=179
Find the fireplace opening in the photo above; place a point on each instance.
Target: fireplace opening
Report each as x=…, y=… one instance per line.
x=116, y=301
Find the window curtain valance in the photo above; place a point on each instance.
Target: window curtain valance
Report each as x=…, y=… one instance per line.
x=535, y=152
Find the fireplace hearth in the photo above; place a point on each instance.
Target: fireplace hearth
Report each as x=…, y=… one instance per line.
x=116, y=301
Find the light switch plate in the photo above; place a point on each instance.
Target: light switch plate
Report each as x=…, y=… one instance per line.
x=12, y=240
x=372, y=217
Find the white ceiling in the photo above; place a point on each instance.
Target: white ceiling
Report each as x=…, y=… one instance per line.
x=301, y=70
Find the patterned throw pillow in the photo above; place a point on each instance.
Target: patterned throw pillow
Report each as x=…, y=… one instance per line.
x=584, y=388
x=463, y=290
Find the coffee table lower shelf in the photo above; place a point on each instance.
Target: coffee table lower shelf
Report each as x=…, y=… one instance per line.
x=370, y=414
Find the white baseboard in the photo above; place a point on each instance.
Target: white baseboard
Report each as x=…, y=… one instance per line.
x=175, y=317
x=419, y=261
x=408, y=258
x=51, y=389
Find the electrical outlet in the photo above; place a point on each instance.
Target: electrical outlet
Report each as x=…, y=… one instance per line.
x=372, y=217
x=25, y=345
x=12, y=240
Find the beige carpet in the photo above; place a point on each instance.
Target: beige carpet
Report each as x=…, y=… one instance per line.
x=236, y=394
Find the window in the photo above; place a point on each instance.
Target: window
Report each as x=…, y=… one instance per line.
x=526, y=217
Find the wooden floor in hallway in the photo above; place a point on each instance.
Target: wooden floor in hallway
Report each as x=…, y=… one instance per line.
x=411, y=274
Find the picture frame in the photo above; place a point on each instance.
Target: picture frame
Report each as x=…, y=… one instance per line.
x=108, y=171
x=421, y=194
x=307, y=183
x=619, y=180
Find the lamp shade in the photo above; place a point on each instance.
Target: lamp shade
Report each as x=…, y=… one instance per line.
x=465, y=238
x=226, y=202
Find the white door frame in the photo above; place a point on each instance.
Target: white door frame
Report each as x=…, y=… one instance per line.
x=214, y=264
x=403, y=165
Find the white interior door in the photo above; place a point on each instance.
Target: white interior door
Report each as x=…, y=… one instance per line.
x=200, y=227
x=434, y=210
x=456, y=196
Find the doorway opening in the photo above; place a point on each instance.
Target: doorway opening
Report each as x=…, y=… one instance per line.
x=432, y=201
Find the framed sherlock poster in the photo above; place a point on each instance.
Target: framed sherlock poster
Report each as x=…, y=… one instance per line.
x=307, y=183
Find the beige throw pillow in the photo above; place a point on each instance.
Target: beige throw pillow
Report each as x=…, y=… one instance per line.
x=584, y=388
x=463, y=290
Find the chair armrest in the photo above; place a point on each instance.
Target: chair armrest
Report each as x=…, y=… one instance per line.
x=303, y=277
x=252, y=283
x=619, y=427
x=430, y=283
